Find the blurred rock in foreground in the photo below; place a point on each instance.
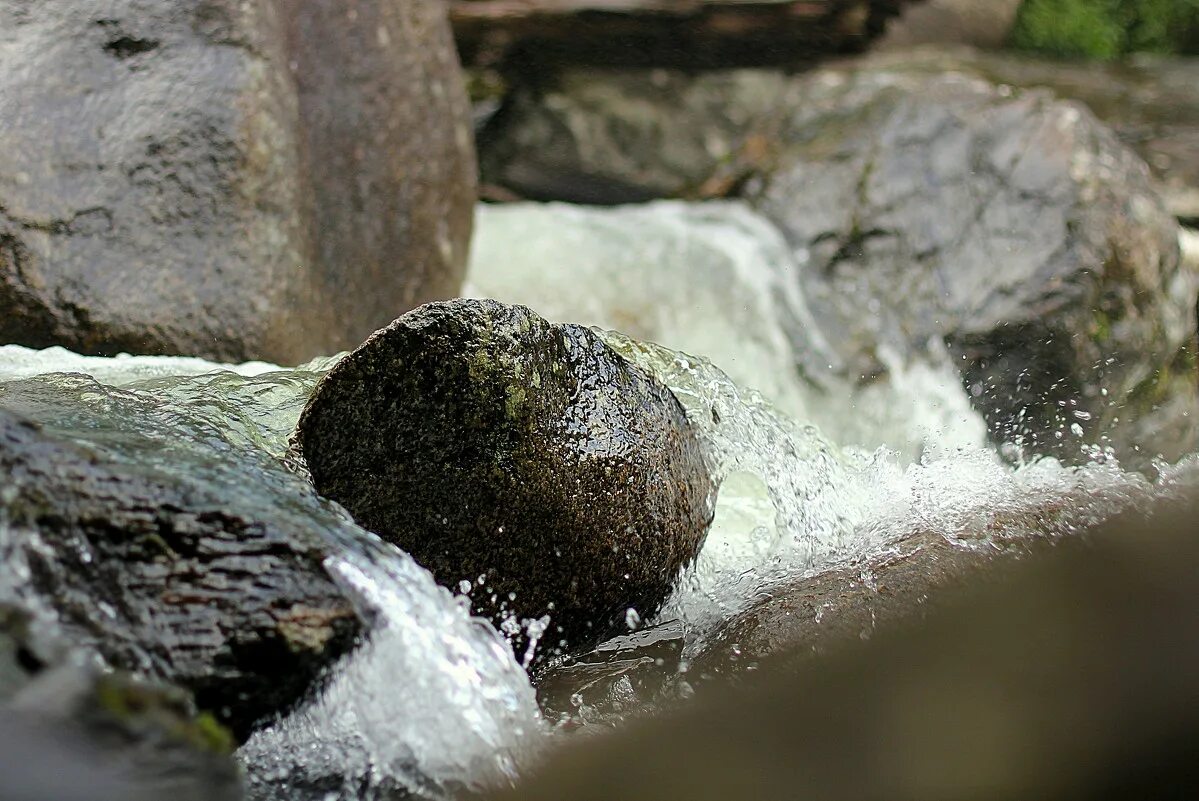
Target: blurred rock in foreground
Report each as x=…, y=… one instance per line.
x=1077, y=677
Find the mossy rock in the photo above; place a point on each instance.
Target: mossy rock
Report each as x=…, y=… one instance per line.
x=525, y=461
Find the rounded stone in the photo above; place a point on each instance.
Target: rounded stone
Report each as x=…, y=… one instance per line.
x=524, y=460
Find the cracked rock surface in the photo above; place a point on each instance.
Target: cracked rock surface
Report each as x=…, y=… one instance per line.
x=269, y=180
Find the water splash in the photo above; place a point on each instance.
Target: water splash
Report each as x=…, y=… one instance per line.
x=432, y=700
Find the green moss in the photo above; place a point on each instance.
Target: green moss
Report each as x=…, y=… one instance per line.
x=1107, y=29
x=1101, y=329
x=135, y=706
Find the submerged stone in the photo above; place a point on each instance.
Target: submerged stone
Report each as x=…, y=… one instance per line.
x=523, y=461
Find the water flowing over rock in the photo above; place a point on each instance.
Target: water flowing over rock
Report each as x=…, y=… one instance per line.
x=524, y=462
x=718, y=279
x=468, y=717
x=270, y=180
x=532, y=34
x=922, y=208
x=159, y=575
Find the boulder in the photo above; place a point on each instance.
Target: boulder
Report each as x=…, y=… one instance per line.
x=158, y=573
x=1014, y=228
x=531, y=35
x=522, y=462
x=267, y=180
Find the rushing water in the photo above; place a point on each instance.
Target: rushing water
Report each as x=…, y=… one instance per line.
x=434, y=700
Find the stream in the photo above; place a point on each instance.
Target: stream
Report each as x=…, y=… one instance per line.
x=815, y=471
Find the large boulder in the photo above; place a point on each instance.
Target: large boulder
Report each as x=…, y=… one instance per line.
x=923, y=207
x=1012, y=227
x=525, y=463
x=158, y=573
x=236, y=180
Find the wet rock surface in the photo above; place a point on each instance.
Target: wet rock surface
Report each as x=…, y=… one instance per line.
x=526, y=461
x=159, y=574
x=924, y=206
x=236, y=180
x=1012, y=226
x=833, y=609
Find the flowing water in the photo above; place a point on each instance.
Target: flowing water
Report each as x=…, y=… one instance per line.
x=433, y=700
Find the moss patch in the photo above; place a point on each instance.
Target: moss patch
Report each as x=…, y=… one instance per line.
x=1107, y=29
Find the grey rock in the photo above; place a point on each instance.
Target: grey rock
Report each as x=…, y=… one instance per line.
x=272, y=180
x=927, y=205
x=489, y=443
x=157, y=573
x=1013, y=227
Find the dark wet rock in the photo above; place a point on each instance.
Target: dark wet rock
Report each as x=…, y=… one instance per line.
x=531, y=36
x=159, y=573
x=1075, y=677
x=236, y=180
x=625, y=136
x=75, y=732
x=489, y=443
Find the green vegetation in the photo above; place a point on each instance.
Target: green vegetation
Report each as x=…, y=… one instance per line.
x=1107, y=29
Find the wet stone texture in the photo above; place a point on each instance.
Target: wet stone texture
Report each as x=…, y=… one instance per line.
x=237, y=180
x=526, y=460
x=158, y=575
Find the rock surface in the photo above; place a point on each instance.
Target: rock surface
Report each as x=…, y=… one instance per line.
x=532, y=34
x=74, y=732
x=235, y=180
x=161, y=575
x=1075, y=677
x=924, y=207
x=1012, y=226
x=525, y=460
x=1152, y=104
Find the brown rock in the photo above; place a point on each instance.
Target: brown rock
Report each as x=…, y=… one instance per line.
x=487, y=442
x=1077, y=677
x=273, y=179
